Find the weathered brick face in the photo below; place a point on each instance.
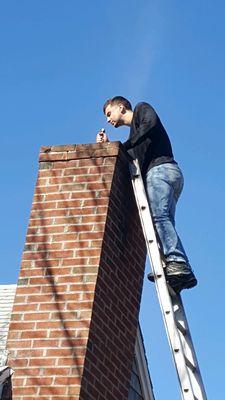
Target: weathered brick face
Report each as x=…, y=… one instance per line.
x=75, y=315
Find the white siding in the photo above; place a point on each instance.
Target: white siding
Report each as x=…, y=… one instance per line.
x=7, y=294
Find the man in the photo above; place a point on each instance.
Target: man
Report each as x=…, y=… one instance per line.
x=150, y=144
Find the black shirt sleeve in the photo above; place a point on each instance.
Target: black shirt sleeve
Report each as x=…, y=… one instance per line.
x=145, y=118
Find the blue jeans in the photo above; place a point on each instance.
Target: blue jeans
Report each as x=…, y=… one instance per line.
x=164, y=184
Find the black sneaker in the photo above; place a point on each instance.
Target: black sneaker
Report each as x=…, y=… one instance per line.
x=177, y=268
x=172, y=268
x=178, y=275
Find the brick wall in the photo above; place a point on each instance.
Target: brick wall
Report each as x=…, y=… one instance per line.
x=74, y=321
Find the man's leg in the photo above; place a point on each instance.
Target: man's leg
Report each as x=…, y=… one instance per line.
x=164, y=184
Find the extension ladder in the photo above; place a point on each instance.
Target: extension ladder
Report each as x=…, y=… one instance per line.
x=175, y=320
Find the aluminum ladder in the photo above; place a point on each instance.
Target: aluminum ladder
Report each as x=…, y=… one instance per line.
x=174, y=317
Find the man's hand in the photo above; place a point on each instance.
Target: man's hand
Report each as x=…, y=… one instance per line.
x=101, y=137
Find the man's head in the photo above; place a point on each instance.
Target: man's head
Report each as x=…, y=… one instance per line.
x=118, y=111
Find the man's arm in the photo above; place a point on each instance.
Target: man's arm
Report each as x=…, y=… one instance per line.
x=147, y=118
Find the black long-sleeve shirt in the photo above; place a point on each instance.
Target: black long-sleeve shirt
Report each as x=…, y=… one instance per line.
x=148, y=140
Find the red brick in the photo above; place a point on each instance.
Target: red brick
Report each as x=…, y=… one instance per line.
x=30, y=272
x=67, y=220
x=29, y=352
x=99, y=186
x=76, y=171
x=49, y=246
x=87, y=253
x=63, y=165
x=14, y=326
x=39, y=381
x=68, y=204
x=61, y=179
x=21, y=344
x=28, y=290
x=80, y=228
x=42, y=362
x=38, y=198
x=73, y=188
x=48, y=173
x=45, y=343
x=41, y=181
x=65, y=237
x=53, y=390
x=57, y=371
x=57, y=196
x=71, y=279
x=36, y=239
x=80, y=195
x=43, y=280
x=82, y=211
x=42, y=298
x=75, y=261
x=90, y=235
x=57, y=288
x=75, y=380
x=75, y=245
x=88, y=178
x=96, y=202
x=95, y=219
x=47, y=264
x=25, y=307
x=47, y=189
x=32, y=390
x=92, y=162
x=51, y=271
x=34, y=334
x=67, y=352
x=79, y=361
x=87, y=287
x=73, y=390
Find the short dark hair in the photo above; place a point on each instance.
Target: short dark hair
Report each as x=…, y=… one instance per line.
x=117, y=100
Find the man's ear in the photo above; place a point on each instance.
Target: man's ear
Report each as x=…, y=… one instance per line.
x=122, y=109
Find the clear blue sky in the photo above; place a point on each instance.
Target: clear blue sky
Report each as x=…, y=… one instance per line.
x=59, y=61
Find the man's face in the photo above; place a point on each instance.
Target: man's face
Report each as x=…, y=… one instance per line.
x=114, y=115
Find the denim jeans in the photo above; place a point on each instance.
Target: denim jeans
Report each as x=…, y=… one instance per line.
x=164, y=184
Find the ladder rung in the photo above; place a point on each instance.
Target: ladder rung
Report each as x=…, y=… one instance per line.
x=187, y=390
x=181, y=328
x=176, y=350
x=190, y=365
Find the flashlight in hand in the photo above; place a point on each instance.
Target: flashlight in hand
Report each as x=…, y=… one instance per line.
x=101, y=136
x=101, y=132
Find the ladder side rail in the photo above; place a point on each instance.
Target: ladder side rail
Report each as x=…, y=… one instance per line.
x=189, y=349
x=181, y=345
x=162, y=291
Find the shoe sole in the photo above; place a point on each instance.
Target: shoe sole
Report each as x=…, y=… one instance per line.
x=175, y=281
x=178, y=285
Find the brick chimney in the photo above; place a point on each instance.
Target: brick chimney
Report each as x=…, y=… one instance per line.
x=74, y=321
